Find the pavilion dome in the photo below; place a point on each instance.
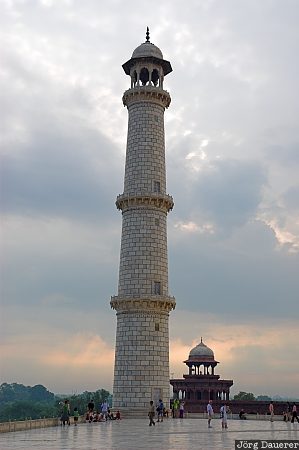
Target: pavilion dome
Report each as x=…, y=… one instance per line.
x=147, y=49
x=201, y=351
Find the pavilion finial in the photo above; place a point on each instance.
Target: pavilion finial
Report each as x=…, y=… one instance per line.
x=147, y=34
x=201, y=340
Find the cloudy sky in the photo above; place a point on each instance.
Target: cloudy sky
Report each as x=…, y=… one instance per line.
x=232, y=166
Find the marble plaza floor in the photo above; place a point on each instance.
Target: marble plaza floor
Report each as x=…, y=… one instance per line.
x=131, y=434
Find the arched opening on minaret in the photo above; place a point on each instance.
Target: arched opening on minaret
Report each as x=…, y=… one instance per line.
x=144, y=76
x=155, y=77
x=134, y=78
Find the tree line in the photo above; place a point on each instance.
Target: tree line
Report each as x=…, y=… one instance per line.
x=19, y=402
x=249, y=396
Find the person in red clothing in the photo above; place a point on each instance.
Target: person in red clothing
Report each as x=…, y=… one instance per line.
x=294, y=413
x=271, y=411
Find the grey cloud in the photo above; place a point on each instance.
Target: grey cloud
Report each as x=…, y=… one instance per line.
x=80, y=277
x=47, y=319
x=286, y=154
x=227, y=192
x=231, y=192
x=62, y=172
x=222, y=277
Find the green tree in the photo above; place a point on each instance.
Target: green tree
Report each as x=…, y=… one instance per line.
x=21, y=410
x=263, y=398
x=81, y=401
x=12, y=392
x=100, y=396
x=246, y=396
x=39, y=393
x=18, y=402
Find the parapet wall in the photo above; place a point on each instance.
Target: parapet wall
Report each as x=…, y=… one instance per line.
x=21, y=425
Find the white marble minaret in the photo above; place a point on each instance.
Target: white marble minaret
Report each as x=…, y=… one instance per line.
x=141, y=371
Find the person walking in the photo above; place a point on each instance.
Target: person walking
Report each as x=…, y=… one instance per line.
x=294, y=414
x=182, y=407
x=104, y=409
x=271, y=411
x=76, y=416
x=172, y=410
x=289, y=412
x=223, y=415
x=176, y=404
x=210, y=413
x=160, y=409
x=151, y=413
x=65, y=417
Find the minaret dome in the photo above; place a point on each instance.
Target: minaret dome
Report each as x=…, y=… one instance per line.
x=147, y=66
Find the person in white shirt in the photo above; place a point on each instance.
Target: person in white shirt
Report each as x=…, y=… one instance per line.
x=223, y=414
x=104, y=407
x=210, y=413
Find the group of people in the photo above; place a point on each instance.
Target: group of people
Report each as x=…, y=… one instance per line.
x=291, y=414
x=65, y=414
x=178, y=408
x=160, y=409
x=224, y=410
x=96, y=416
x=101, y=415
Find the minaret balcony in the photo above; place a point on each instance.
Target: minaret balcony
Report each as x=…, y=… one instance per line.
x=162, y=303
x=147, y=93
x=146, y=200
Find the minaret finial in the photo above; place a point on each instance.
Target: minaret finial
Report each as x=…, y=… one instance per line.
x=147, y=34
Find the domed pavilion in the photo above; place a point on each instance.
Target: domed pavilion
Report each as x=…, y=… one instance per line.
x=201, y=384
x=147, y=66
